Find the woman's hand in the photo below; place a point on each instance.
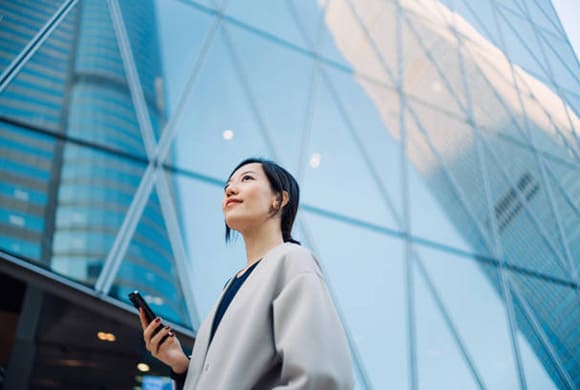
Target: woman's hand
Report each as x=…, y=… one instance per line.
x=163, y=345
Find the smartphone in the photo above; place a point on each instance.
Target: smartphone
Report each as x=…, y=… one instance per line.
x=139, y=302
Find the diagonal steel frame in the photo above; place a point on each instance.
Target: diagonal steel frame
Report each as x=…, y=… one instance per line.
x=34, y=44
x=152, y=175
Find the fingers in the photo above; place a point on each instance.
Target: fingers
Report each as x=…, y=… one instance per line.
x=159, y=338
x=149, y=332
x=143, y=320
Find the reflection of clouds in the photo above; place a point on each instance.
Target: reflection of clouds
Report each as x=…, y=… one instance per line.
x=430, y=26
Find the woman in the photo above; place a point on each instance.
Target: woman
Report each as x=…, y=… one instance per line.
x=275, y=325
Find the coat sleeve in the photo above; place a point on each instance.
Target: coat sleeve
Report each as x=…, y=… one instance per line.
x=309, y=337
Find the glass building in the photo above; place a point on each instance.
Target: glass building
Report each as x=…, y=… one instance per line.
x=436, y=144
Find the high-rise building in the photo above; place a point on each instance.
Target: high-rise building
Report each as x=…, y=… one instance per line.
x=516, y=204
x=73, y=154
x=65, y=203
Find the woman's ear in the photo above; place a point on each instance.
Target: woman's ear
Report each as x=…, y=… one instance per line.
x=285, y=198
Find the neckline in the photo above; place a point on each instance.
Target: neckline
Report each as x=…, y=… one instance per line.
x=244, y=271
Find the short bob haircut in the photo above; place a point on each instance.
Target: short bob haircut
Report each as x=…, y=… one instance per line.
x=280, y=180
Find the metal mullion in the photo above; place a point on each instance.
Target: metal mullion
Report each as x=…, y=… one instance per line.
x=446, y=170
x=34, y=44
x=510, y=114
x=170, y=129
x=497, y=247
x=449, y=322
x=543, y=53
x=525, y=204
x=311, y=97
x=563, y=190
x=178, y=247
x=559, y=24
x=352, y=345
x=541, y=163
x=246, y=87
x=544, y=339
x=363, y=375
x=132, y=78
x=449, y=176
x=408, y=261
x=548, y=71
x=122, y=240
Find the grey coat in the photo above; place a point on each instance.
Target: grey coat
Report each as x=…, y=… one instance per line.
x=281, y=331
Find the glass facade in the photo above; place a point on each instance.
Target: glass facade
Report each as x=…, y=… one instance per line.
x=436, y=144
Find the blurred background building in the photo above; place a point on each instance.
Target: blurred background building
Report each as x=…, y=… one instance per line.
x=436, y=144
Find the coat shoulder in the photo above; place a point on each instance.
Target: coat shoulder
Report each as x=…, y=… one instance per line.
x=296, y=259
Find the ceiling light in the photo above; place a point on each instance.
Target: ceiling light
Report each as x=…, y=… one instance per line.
x=315, y=160
x=143, y=367
x=106, y=336
x=228, y=135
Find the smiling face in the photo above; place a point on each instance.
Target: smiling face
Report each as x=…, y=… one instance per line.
x=248, y=198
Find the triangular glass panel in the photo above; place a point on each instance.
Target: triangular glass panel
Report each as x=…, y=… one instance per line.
x=546, y=7
x=465, y=295
x=478, y=16
x=19, y=24
x=362, y=38
x=371, y=112
x=140, y=25
x=519, y=49
x=149, y=265
x=547, y=119
x=564, y=67
x=348, y=173
x=526, y=225
x=433, y=73
x=369, y=292
x=95, y=189
x=547, y=21
x=270, y=17
x=493, y=95
x=281, y=82
x=441, y=362
x=447, y=201
x=219, y=128
x=162, y=62
x=564, y=182
x=547, y=314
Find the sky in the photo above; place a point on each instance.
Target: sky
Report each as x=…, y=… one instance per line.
x=569, y=13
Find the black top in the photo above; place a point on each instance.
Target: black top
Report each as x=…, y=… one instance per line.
x=224, y=303
x=228, y=297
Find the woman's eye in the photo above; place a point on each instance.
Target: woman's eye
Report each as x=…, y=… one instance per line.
x=247, y=177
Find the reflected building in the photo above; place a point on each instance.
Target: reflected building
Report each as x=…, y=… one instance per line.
x=63, y=203
x=490, y=139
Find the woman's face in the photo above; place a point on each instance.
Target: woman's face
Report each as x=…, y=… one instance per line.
x=248, y=198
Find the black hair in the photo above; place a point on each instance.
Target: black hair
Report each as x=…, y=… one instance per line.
x=280, y=180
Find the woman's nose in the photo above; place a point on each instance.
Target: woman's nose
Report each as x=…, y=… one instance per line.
x=231, y=190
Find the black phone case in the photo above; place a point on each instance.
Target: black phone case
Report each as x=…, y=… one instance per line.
x=139, y=302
